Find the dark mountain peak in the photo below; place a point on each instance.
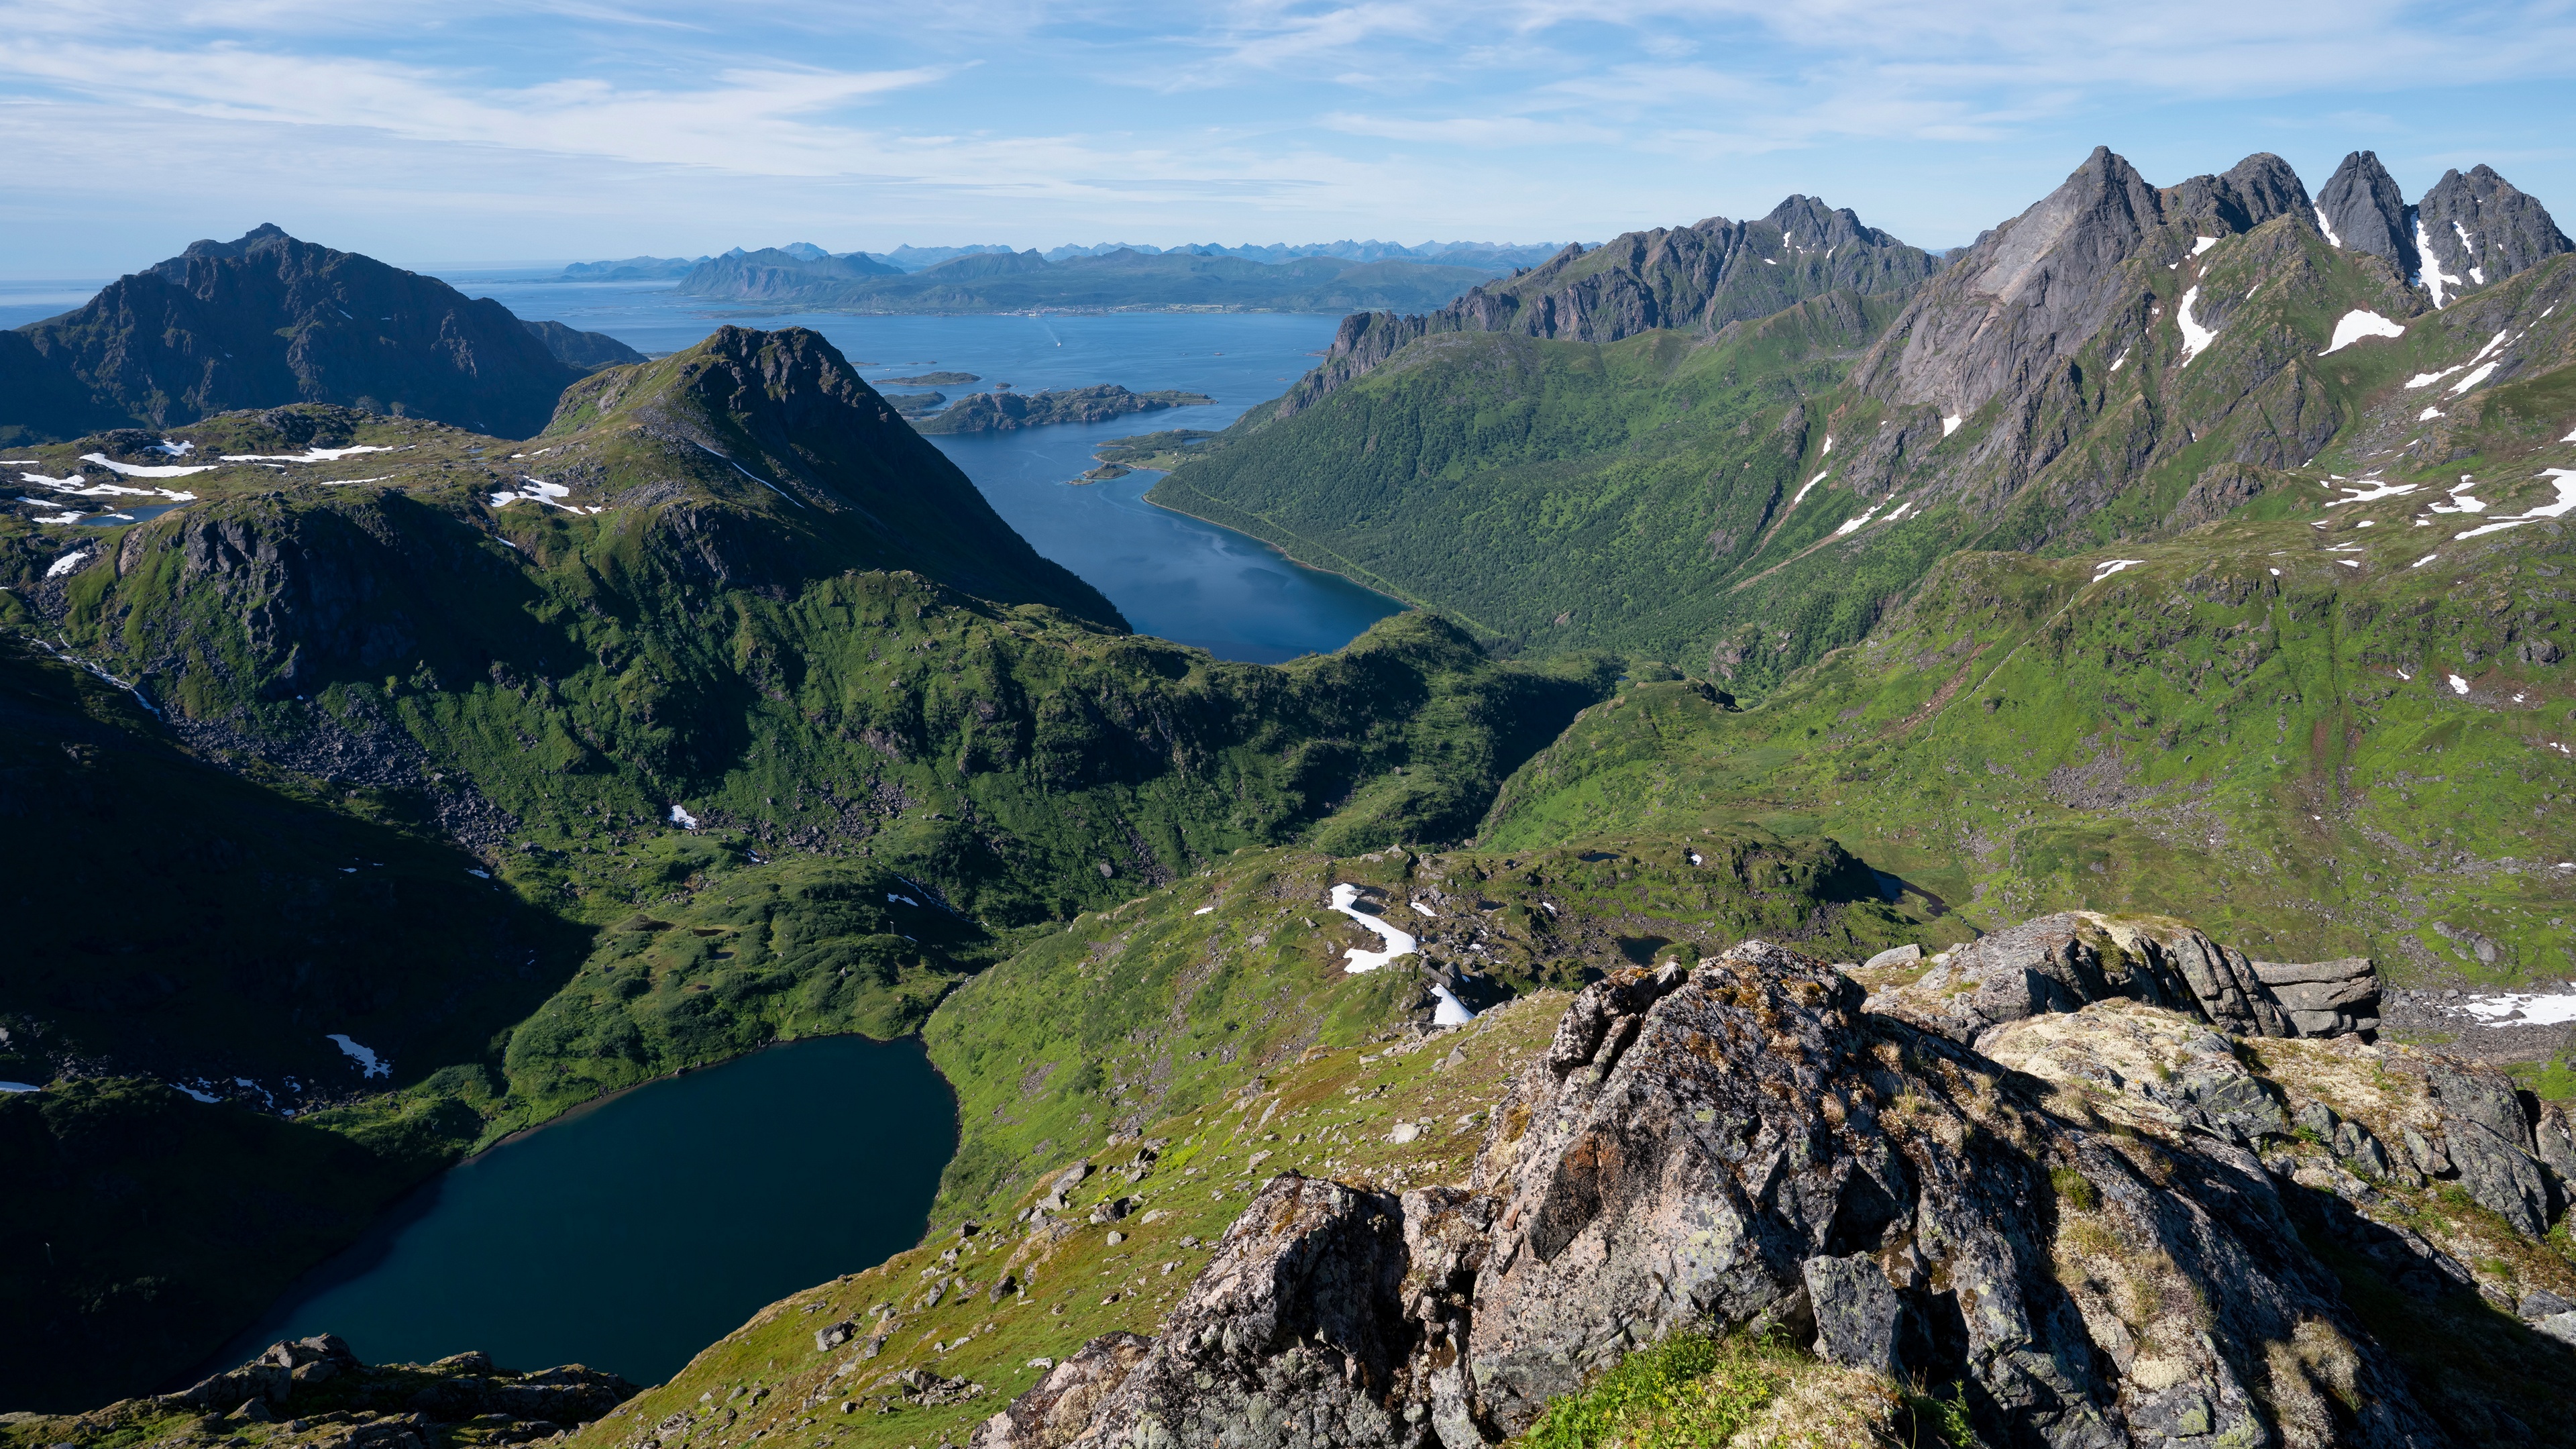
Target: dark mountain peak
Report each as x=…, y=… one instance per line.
x=267, y=320
x=2246, y=195
x=266, y=234
x=2477, y=229
x=2360, y=209
x=2090, y=224
x=781, y=422
x=1808, y=222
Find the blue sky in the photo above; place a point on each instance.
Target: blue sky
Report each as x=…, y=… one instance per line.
x=465, y=132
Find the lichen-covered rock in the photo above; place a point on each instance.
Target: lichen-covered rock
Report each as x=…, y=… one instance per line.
x=1295, y=1336
x=1740, y=1145
x=2490, y=1144
x=1060, y=1407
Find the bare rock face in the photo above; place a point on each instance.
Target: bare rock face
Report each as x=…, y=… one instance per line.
x=2362, y=210
x=2061, y=963
x=2479, y=229
x=1742, y=1145
x=2323, y=998
x=1060, y=1407
x=2042, y=286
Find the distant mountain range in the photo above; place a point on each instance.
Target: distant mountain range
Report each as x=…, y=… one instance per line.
x=1120, y=280
x=268, y=320
x=1493, y=256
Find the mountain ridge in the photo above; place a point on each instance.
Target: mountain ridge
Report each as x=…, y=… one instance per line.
x=1704, y=275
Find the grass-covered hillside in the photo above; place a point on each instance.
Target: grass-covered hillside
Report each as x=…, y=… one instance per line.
x=2322, y=727
x=1564, y=495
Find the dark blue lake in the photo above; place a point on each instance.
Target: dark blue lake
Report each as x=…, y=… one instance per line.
x=1171, y=575
x=633, y=1233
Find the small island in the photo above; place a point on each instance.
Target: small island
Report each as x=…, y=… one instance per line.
x=990, y=412
x=910, y=405
x=930, y=379
x=1160, y=452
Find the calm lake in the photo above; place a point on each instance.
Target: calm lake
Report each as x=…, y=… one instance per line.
x=1172, y=576
x=633, y=1233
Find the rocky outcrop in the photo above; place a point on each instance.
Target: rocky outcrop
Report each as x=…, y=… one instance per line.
x=2323, y=998
x=316, y=1391
x=1740, y=1145
x=1061, y=1406
x=1700, y=276
x=2063, y=962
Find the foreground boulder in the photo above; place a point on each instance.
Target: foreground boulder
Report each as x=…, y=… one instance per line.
x=316, y=1391
x=1740, y=1146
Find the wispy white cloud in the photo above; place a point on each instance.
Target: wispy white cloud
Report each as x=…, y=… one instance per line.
x=1296, y=115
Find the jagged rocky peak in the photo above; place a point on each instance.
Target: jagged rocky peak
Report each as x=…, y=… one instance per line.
x=2479, y=228
x=2362, y=210
x=2243, y=197
x=267, y=233
x=1705, y=275
x=1807, y=224
x=2470, y=231
x=2102, y=1221
x=2045, y=284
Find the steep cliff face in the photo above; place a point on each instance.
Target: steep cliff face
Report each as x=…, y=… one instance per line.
x=2044, y=285
x=1701, y=276
x=267, y=320
x=2102, y=1231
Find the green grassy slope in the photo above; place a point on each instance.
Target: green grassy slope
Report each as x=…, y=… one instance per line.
x=2257, y=727
x=1177, y=1000
x=1559, y=494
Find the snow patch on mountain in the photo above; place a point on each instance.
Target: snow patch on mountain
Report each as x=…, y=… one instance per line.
x=2194, y=336
x=2358, y=324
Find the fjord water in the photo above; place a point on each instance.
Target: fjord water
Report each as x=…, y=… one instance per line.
x=632, y=1234
x=1171, y=575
